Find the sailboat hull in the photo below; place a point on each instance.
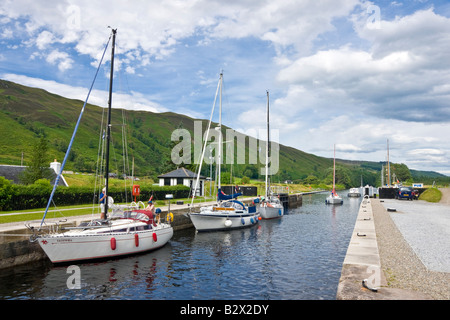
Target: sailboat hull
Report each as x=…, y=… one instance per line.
x=219, y=221
x=70, y=247
x=354, y=192
x=271, y=212
x=334, y=200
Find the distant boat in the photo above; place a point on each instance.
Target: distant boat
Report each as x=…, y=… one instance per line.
x=333, y=198
x=129, y=230
x=228, y=213
x=354, y=192
x=271, y=207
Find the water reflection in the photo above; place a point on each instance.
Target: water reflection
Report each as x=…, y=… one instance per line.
x=296, y=257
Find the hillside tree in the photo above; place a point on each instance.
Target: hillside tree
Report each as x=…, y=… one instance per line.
x=38, y=167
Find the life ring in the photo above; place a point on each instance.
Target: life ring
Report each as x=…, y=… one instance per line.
x=169, y=217
x=136, y=190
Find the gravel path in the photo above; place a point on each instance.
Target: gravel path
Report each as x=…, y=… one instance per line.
x=445, y=196
x=400, y=246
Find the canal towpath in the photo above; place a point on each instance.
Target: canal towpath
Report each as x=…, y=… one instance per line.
x=383, y=247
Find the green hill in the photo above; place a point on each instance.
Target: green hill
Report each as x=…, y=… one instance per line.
x=27, y=113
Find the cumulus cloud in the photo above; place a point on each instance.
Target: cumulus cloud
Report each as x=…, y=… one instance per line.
x=156, y=27
x=44, y=39
x=62, y=59
x=284, y=23
x=335, y=77
x=401, y=76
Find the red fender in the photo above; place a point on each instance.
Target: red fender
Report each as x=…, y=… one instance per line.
x=136, y=239
x=155, y=238
x=113, y=243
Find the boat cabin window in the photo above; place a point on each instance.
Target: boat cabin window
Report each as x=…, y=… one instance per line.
x=233, y=204
x=140, y=228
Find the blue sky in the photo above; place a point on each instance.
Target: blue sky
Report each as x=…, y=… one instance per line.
x=352, y=73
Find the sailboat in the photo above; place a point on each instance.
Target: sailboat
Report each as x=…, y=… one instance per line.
x=271, y=207
x=129, y=229
x=228, y=213
x=355, y=192
x=333, y=198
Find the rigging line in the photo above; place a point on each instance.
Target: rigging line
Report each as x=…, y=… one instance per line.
x=98, y=169
x=123, y=82
x=126, y=166
x=73, y=137
x=193, y=192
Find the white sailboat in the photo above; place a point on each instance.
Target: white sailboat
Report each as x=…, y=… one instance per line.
x=271, y=207
x=354, y=192
x=333, y=198
x=228, y=213
x=129, y=230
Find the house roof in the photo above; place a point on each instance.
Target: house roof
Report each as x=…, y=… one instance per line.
x=12, y=173
x=180, y=173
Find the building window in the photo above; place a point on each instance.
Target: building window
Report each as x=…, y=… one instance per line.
x=179, y=180
x=167, y=181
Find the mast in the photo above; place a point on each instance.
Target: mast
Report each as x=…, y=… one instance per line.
x=334, y=168
x=388, y=166
x=220, y=129
x=108, y=128
x=267, y=148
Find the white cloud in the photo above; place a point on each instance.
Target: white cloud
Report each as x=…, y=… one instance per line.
x=426, y=152
x=156, y=27
x=62, y=59
x=334, y=78
x=347, y=147
x=421, y=33
x=7, y=33
x=284, y=23
x=401, y=76
x=44, y=39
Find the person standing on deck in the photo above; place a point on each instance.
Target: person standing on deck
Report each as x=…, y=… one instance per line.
x=102, y=204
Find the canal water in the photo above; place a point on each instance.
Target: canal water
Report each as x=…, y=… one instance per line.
x=297, y=257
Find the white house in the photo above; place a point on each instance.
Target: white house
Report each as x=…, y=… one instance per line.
x=56, y=166
x=12, y=172
x=185, y=177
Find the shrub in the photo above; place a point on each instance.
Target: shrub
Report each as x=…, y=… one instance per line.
x=5, y=192
x=19, y=197
x=245, y=180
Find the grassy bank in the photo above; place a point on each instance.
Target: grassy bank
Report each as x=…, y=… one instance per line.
x=85, y=180
x=69, y=211
x=431, y=195
x=37, y=214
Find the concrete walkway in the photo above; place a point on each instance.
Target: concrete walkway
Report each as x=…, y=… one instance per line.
x=381, y=253
x=361, y=275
